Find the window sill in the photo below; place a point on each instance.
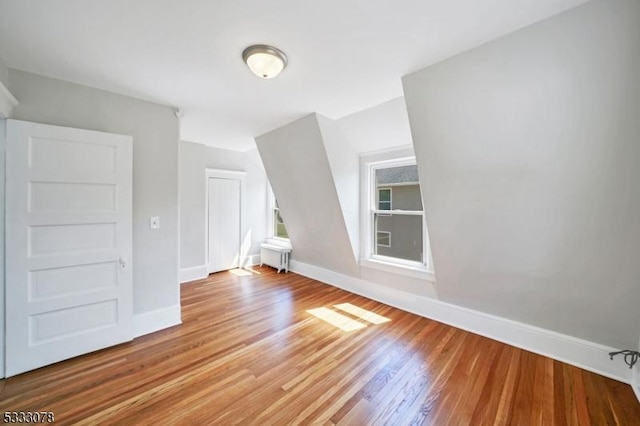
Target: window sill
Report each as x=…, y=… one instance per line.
x=394, y=268
x=280, y=242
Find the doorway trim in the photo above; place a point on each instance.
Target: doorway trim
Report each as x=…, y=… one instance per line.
x=225, y=174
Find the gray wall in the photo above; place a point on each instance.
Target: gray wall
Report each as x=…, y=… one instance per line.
x=155, y=132
x=4, y=73
x=192, y=205
x=3, y=145
x=194, y=160
x=528, y=149
x=298, y=168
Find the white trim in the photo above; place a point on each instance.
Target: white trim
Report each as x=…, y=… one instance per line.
x=420, y=272
x=225, y=174
x=280, y=242
x=581, y=353
x=390, y=150
x=7, y=101
x=194, y=273
x=150, y=322
x=369, y=207
x=399, y=184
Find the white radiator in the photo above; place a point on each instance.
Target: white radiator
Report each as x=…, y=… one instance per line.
x=275, y=256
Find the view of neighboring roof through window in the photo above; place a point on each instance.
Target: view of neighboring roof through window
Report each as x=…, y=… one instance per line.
x=398, y=229
x=397, y=175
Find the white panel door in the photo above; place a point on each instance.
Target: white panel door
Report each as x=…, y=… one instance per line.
x=68, y=243
x=224, y=223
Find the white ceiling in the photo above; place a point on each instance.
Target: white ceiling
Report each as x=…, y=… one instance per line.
x=344, y=55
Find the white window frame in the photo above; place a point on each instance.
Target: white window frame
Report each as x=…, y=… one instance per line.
x=271, y=218
x=418, y=269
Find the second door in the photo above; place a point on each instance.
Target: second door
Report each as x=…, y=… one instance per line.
x=224, y=222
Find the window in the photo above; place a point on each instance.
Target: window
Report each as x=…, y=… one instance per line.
x=276, y=225
x=279, y=229
x=395, y=208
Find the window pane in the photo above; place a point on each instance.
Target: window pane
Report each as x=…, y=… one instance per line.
x=407, y=236
x=384, y=199
x=406, y=187
x=383, y=239
x=279, y=230
x=384, y=205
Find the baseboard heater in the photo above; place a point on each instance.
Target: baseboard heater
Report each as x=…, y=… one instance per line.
x=275, y=256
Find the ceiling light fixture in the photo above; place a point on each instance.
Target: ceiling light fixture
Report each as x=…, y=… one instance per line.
x=264, y=61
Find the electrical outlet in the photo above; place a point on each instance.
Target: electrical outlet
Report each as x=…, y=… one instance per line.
x=154, y=222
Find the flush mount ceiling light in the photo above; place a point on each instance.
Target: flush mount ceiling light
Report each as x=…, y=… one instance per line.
x=264, y=61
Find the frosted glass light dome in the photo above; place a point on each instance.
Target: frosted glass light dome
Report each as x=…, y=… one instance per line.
x=264, y=61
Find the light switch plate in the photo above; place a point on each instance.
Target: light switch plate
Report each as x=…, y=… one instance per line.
x=154, y=222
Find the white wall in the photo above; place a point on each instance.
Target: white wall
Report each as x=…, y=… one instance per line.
x=345, y=170
x=4, y=73
x=529, y=164
x=296, y=162
x=155, y=132
x=257, y=202
x=378, y=128
x=194, y=160
x=216, y=158
x=308, y=184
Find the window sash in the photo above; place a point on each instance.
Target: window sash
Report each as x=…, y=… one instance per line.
x=399, y=212
x=374, y=209
x=424, y=262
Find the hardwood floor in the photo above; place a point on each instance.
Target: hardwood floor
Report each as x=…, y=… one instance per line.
x=248, y=352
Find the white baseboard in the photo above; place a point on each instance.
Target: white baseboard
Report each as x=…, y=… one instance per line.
x=149, y=322
x=571, y=350
x=192, y=274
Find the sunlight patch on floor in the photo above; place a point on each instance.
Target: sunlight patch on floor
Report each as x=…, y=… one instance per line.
x=343, y=322
x=361, y=313
x=243, y=272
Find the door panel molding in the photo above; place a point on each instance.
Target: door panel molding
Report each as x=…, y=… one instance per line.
x=233, y=175
x=60, y=235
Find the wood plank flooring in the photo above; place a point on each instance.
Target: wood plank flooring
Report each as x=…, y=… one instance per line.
x=248, y=352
